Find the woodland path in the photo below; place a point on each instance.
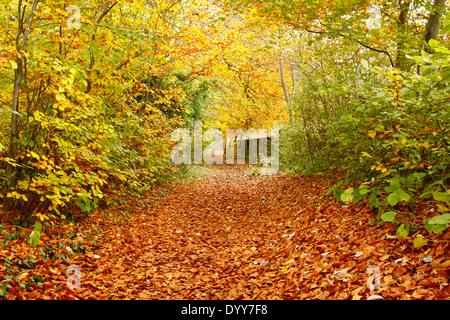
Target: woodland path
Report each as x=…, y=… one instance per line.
x=232, y=235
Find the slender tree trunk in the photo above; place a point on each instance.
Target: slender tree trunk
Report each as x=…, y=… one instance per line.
x=286, y=92
x=23, y=31
x=291, y=107
x=402, y=23
x=434, y=21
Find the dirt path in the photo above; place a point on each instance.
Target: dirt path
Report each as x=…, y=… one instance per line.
x=231, y=235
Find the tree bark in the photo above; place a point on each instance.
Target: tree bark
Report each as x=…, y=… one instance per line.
x=22, y=31
x=401, y=61
x=434, y=21
x=286, y=91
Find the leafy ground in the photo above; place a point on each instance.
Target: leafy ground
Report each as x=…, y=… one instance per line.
x=227, y=235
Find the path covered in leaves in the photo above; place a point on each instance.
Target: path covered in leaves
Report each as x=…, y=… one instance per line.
x=231, y=235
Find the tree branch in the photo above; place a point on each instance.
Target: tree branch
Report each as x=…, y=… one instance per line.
x=106, y=8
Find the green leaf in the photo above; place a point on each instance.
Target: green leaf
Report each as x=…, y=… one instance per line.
x=37, y=226
x=419, y=241
x=419, y=175
x=445, y=29
x=380, y=94
x=35, y=234
x=95, y=51
x=435, y=228
x=403, y=195
x=337, y=193
x=389, y=217
x=429, y=189
x=404, y=90
x=436, y=56
x=409, y=181
x=402, y=231
x=441, y=219
x=426, y=56
x=393, y=198
x=347, y=195
x=365, y=64
x=34, y=238
x=441, y=196
x=433, y=43
x=364, y=191
x=373, y=200
x=395, y=182
x=397, y=196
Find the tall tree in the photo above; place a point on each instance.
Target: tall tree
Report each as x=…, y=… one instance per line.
x=288, y=97
x=20, y=66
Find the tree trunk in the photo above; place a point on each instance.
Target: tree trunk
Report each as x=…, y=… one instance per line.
x=286, y=92
x=434, y=21
x=22, y=31
x=401, y=61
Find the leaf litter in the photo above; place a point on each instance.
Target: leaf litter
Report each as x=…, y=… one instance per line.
x=230, y=235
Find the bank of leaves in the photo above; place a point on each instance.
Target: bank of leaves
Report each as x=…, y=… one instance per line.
x=92, y=117
x=394, y=144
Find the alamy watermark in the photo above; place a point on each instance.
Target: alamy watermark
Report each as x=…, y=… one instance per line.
x=74, y=19
x=374, y=281
x=74, y=281
x=253, y=143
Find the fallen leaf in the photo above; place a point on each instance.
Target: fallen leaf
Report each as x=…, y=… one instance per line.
x=341, y=272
